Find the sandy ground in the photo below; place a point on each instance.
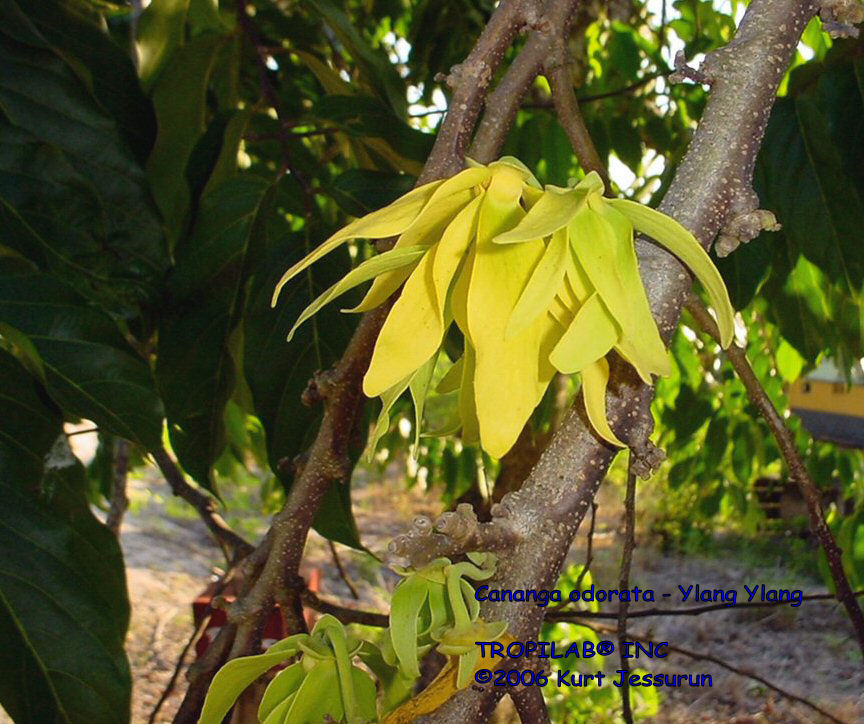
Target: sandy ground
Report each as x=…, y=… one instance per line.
x=806, y=650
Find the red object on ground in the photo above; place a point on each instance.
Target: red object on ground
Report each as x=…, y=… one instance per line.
x=274, y=628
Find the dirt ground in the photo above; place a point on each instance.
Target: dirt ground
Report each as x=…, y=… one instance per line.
x=807, y=651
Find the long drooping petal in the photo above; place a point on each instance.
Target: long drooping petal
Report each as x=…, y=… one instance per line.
x=595, y=378
x=451, y=196
x=450, y=251
x=545, y=282
x=509, y=374
x=389, y=221
x=411, y=333
x=590, y=336
x=669, y=233
x=605, y=248
x=380, y=264
x=426, y=230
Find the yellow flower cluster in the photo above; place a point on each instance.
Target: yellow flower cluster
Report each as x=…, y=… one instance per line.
x=538, y=280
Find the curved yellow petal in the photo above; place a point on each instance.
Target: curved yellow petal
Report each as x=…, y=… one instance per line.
x=459, y=295
x=603, y=241
x=561, y=312
x=500, y=210
x=595, y=378
x=591, y=334
x=578, y=285
x=426, y=230
x=389, y=221
x=592, y=183
x=544, y=284
x=552, y=211
x=380, y=264
x=510, y=376
x=465, y=180
x=411, y=333
x=672, y=235
x=515, y=164
x=451, y=250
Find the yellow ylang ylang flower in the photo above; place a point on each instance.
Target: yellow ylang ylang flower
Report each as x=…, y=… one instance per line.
x=588, y=279
x=536, y=280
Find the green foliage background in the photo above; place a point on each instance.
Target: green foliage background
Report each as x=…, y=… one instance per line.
x=146, y=213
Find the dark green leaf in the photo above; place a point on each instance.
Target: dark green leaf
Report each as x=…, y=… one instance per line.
x=278, y=372
x=90, y=370
x=366, y=116
x=68, y=172
x=688, y=415
x=809, y=174
x=64, y=610
x=179, y=96
x=72, y=29
x=376, y=69
x=29, y=425
x=195, y=369
x=358, y=191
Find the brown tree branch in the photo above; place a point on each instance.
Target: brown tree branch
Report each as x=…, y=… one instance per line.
x=119, y=498
x=530, y=704
x=624, y=584
x=505, y=100
x=797, y=468
x=327, y=460
x=343, y=613
x=553, y=501
x=567, y=108
x=453, y=533
x=233, y=546
x=471, y=79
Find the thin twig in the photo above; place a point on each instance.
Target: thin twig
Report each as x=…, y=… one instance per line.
x=797, y=469
x=119, y=498
x=624, y=585
x=729, y=667
x=594, y=97
x=567, y=108
x=505, y=100
x=589, y=548
x=181, y=661
x=82, y=432
x=557, y=615
x=233, y=546
x=344, y=614
x=342, y=574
